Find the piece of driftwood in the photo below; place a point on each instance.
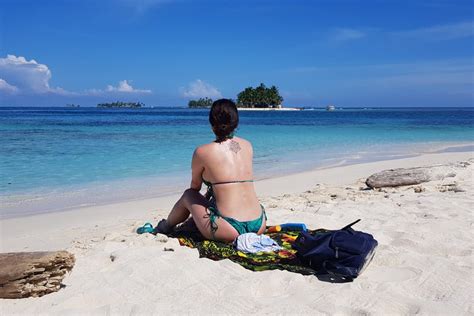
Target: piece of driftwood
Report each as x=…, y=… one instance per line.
x=25, y=274
x=409, y=176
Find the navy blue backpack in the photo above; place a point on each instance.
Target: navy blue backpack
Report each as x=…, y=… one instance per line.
x=343, y=253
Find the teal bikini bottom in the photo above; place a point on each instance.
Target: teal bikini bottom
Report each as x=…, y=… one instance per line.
x=241, y=227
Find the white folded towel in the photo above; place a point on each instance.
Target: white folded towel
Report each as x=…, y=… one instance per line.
x=253, y=243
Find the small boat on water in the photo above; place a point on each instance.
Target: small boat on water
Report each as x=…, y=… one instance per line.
x=330, y=108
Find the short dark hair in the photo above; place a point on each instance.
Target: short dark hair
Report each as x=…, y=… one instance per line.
x=224, y=118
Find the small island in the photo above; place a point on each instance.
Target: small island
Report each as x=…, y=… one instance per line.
x=119, y=104
x=200, y=103
x=258, y=98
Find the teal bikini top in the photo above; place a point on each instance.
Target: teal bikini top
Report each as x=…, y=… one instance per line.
x=210, y=192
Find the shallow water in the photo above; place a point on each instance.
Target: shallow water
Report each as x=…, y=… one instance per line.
x=89, y=155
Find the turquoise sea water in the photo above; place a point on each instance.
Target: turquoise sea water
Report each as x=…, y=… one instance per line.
x=130, y=153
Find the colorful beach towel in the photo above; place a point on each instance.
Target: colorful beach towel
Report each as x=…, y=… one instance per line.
x=284, y=259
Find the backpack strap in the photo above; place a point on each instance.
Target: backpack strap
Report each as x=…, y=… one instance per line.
x=351, y=224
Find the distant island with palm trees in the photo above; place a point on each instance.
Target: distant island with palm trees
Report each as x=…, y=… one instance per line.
x=119, y=104
x=258, y=98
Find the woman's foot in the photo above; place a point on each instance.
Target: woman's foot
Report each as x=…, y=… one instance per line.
x=188, y=226
x=162, y=228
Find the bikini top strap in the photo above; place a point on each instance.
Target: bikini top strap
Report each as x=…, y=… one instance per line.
x=210, y=184
x=227, y=182
x=206, y=182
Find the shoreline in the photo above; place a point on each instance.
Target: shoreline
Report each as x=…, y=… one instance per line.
x=422, y=264
x=56, y=205
x=110, y=192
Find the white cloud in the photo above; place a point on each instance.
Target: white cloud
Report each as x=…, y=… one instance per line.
x=440, y=32
x=346, y=34
x=27, y=76
x=200, y=89
x=123, y=87
x=8, y=88
x=21, y=76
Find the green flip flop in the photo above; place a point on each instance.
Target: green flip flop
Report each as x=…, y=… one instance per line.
x=147, y=228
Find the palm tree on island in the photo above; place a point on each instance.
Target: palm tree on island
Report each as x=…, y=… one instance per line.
x=258, y=97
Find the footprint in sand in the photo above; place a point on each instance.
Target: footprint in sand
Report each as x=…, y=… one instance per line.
x=393, y=274
x=403, y=242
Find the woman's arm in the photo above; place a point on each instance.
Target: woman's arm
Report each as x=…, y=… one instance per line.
x=197, y=167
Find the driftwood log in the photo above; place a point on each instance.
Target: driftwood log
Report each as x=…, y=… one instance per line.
x=410, y=176
x=25, y=274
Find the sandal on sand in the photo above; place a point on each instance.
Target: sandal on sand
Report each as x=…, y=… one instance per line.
x=147, y=228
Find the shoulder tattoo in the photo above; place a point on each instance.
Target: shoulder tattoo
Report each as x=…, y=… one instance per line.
x=234, y=146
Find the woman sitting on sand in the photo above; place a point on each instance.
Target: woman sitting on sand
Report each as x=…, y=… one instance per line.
x=230, y=206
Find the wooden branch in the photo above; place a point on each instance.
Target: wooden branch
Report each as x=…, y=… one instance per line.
x=410, y=176
x=25, y=274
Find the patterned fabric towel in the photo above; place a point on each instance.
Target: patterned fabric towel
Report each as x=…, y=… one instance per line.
x=284, y=259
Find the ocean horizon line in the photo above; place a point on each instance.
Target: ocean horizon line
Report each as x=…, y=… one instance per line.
x=186, y=107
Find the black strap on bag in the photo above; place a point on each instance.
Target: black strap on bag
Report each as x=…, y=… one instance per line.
x=347, y=227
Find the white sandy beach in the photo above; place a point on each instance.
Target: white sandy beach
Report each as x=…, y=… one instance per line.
x=423, y=264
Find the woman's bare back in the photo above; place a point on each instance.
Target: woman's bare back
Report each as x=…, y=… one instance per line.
x=229, y=161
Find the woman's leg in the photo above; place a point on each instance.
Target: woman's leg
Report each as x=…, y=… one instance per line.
x=178, y=214
x=193, y=202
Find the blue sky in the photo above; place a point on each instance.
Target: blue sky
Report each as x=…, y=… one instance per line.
x=165, y=52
